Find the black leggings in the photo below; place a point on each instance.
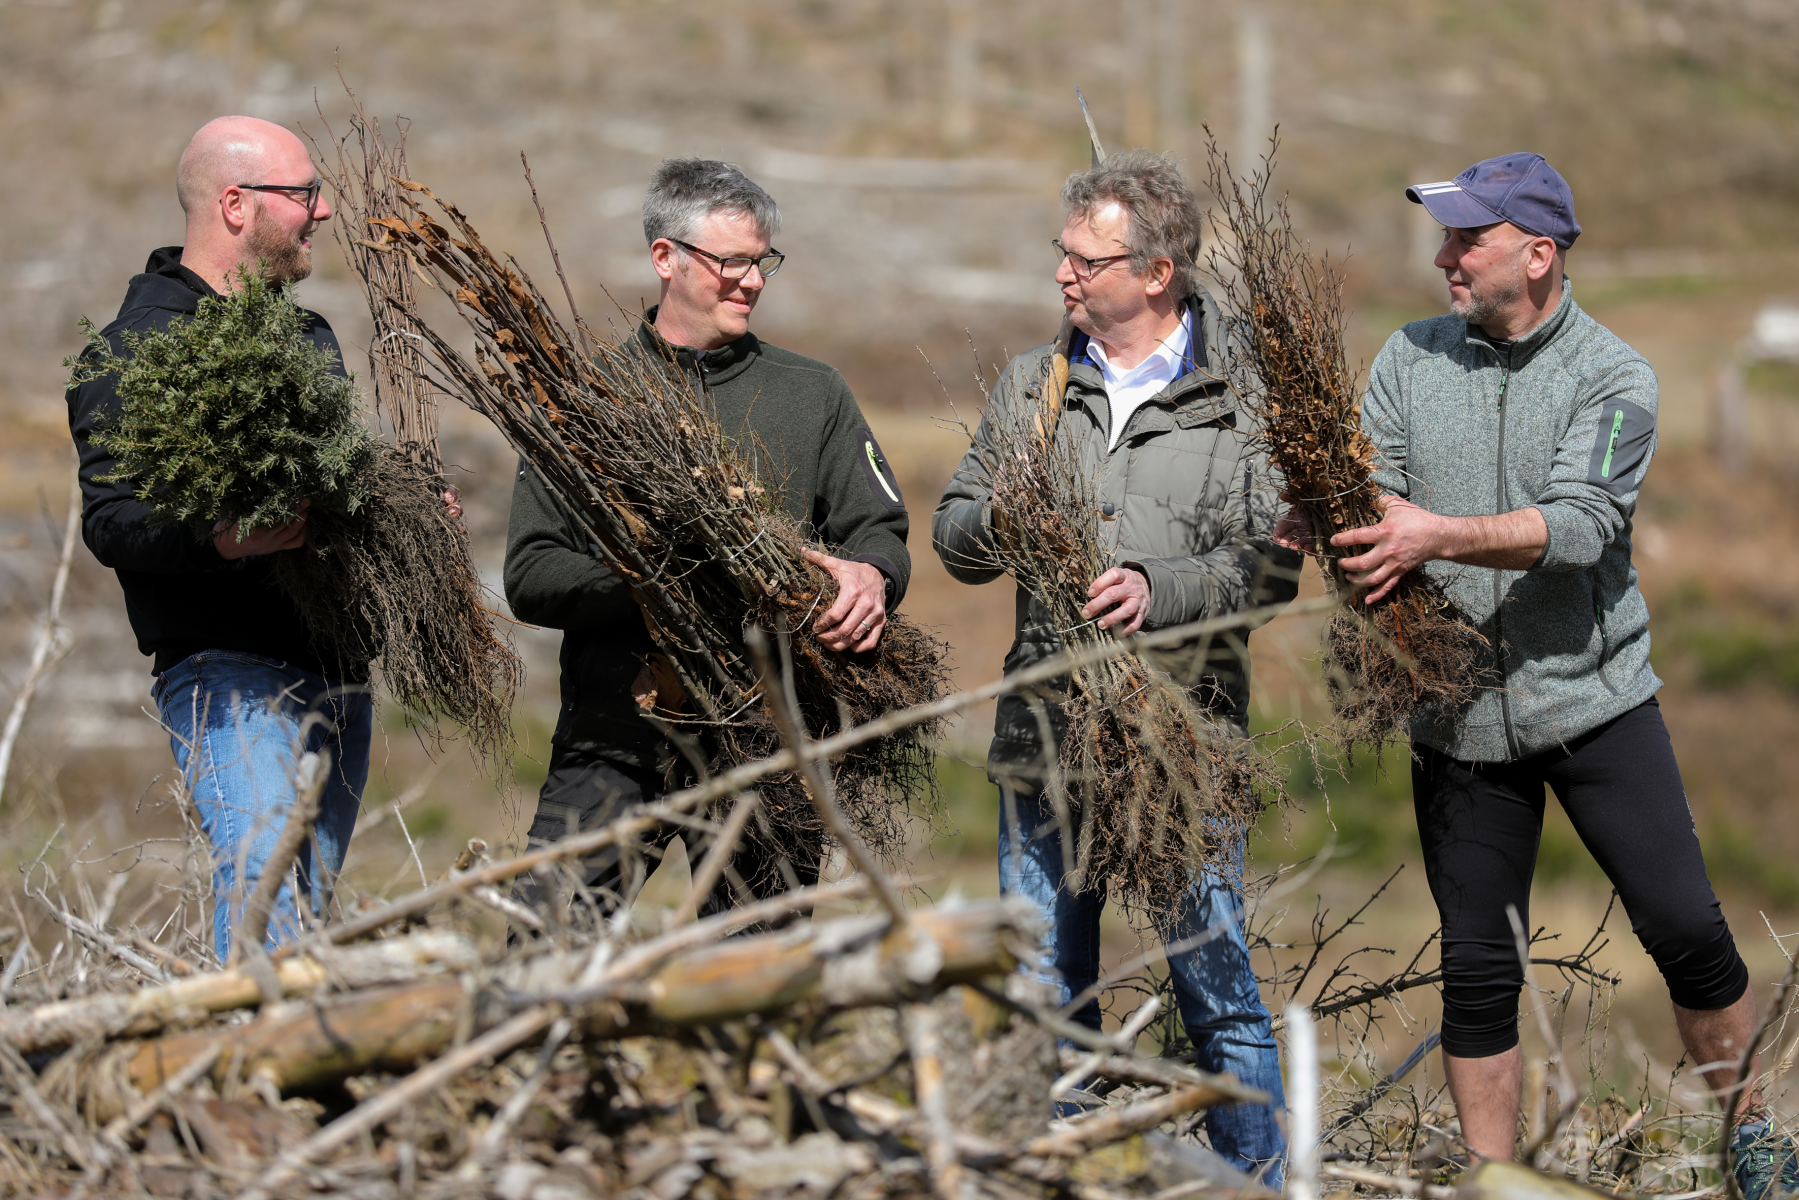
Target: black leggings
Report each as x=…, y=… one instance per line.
x=1480, y=824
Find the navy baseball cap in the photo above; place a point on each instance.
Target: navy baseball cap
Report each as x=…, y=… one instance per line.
x=1521, y=188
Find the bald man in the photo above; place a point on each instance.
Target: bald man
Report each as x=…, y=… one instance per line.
x=244, y=695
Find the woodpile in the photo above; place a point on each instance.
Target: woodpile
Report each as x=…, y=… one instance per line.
x=870, y=1054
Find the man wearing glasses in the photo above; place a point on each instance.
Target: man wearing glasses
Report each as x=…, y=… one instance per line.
x=709, y=229
x=244, y=695
x=1186, y=507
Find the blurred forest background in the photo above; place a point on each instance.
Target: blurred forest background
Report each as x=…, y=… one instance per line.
x=916, y=147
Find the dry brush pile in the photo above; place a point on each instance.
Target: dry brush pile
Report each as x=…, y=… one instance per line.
x=677, y=508
x=404, y=1050
x=1414, y=650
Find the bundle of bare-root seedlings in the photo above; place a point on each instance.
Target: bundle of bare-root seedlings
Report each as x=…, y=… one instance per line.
x=236, y=416
x=1153, y=787
x=1414, y=651
x=396, y=585
x=409, y=581
x=675, y=507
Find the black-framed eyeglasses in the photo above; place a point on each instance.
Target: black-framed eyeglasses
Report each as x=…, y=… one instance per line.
x=737, y=268
x=311, y=190
x=1084, y=267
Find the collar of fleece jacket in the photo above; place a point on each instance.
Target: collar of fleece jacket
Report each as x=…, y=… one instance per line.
x=1528, y=346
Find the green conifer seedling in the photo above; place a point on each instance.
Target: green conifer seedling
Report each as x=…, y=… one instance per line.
x=233, y=414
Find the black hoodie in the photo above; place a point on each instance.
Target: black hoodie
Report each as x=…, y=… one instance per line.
x=182, y=597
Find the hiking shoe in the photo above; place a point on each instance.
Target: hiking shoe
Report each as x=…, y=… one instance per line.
x=1767, y=1161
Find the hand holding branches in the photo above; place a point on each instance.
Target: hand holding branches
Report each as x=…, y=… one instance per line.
x=233, y=543
x=1120, y=600
x=1408, y=536
x=854, y=623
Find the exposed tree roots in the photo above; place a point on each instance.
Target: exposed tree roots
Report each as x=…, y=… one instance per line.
x=395, y=584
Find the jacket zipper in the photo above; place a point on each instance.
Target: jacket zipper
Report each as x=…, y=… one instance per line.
x=1604, y=641
x=1505, y=701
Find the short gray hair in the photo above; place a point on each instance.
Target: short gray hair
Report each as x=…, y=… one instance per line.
x=1165, y=220
x=685, y=191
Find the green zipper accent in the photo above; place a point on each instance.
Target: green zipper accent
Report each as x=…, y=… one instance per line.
x=875, y=462
x=1605, y=468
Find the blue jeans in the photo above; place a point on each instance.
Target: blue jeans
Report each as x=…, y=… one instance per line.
x=239, y=725
x=1214, y=986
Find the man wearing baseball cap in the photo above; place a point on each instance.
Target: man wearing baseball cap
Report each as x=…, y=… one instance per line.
x=1514, y=434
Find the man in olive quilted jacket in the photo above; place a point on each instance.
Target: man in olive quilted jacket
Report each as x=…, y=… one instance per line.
x=1186, y=507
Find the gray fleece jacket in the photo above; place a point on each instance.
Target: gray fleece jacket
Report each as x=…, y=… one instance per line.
x=1562, y=420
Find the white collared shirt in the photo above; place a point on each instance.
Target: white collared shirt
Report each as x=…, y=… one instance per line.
x=1127, y=391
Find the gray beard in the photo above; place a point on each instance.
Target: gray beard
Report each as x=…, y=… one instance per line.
x=288, y=260
x=1486, y=308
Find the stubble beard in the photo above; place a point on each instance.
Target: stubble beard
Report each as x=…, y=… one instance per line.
x=1488, y=306
x=289, y=259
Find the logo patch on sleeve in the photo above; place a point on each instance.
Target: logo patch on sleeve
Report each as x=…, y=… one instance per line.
x=1626, y=432
x=881, y=480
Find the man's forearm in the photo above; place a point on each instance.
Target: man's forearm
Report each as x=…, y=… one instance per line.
x=1511, y=541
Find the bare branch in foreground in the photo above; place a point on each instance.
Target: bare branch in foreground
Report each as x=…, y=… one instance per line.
x=52, y=641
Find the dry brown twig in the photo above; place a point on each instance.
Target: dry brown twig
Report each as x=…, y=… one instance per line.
x=1567, y=1095
x=1413, y=653
x=52, y=641
x=778, y=696
x=1729, y=1101
x=311, y=773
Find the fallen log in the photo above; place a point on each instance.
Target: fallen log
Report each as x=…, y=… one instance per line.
x=846, y=963
x=1116, y=1124
x=145, y=1012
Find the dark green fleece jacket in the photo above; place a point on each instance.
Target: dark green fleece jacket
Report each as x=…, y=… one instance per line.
x=818, y=457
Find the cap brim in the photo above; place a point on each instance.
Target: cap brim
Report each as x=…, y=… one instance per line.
x=1454, y=209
